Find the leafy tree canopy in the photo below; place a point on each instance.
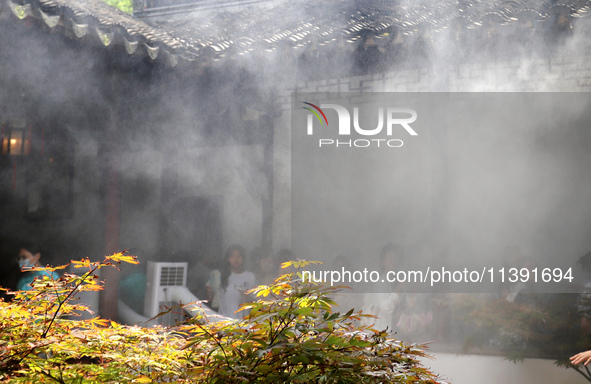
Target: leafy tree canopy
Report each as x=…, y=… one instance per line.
x=124, y=5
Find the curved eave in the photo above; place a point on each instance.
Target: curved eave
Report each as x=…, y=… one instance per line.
x=99, y=24
x=289, y=27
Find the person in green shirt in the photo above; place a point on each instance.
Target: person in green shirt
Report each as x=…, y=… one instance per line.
x=28, y=261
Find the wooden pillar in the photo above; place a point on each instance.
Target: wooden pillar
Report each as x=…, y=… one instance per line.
x=268, y=170
x=168, y=198
x=110, y=295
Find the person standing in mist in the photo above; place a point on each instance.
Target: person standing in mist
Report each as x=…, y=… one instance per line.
x=345, y=299
x=28, y=259
x=386, y=299
x=235, y=281
x=200, y=273
x=264, y=265
x=283, y=256
x=512, y=259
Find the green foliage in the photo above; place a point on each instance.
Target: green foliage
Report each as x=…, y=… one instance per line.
x=290, y=336
x=124, y=5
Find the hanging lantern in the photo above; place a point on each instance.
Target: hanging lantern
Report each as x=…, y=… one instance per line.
x=16, y=139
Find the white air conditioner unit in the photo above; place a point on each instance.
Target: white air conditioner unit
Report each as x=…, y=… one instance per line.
x=161, y=281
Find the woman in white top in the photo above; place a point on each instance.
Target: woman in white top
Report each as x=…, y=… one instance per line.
x=235, y=281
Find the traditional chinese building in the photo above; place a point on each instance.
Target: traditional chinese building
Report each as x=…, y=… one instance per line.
x=167, y=132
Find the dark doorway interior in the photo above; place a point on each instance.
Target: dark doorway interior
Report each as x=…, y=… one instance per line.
x=192, y=226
